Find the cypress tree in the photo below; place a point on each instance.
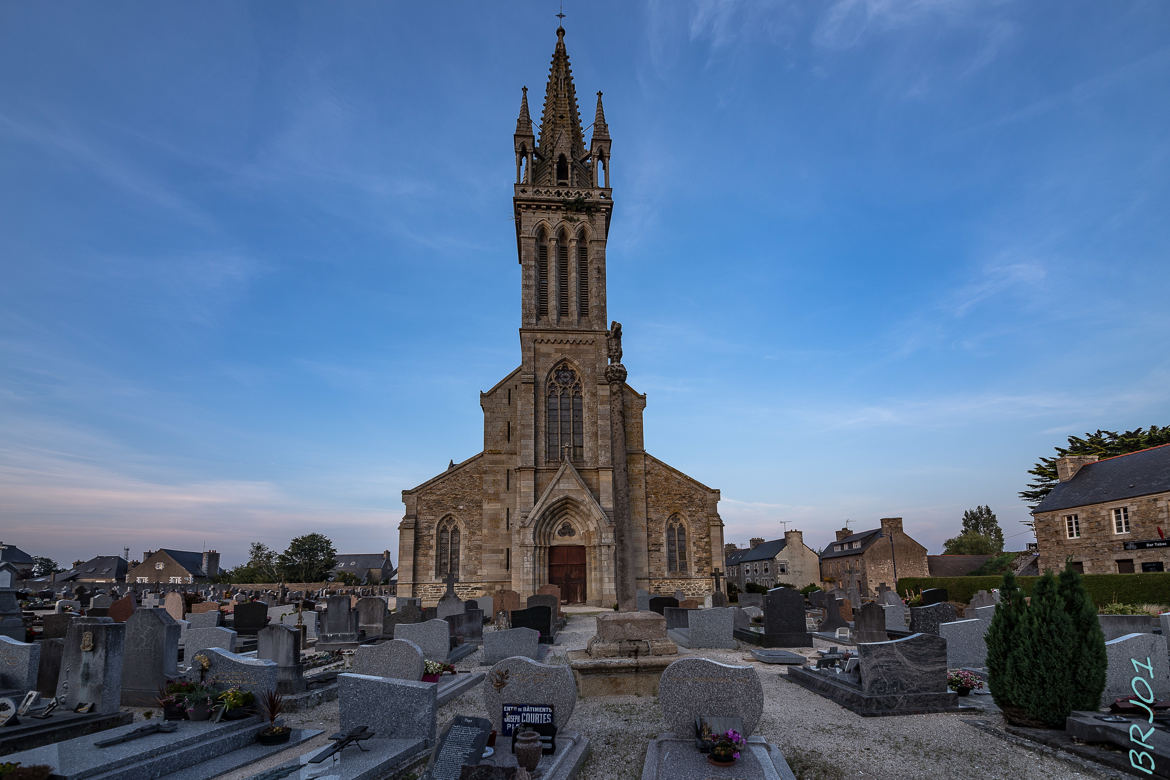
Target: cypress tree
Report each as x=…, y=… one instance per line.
x=1044, y=681
x=1088, y=661
x=1003, y=640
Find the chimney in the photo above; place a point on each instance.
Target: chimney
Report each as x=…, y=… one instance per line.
x=211, y=563
x=1068, y=466
x=843, y=533
x=891, y=524
x=793, y=538
x=754, y=543
x=729, y=549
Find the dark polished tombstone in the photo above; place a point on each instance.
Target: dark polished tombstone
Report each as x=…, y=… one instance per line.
x=467, y=626
x=676, y=617
x=461, y=744
x=833, y=619
x=934, y=596
x=784, y=619
x=250, y=618
x=926, y=620
x=660, y=603
x=869, y=623
x=545, y=600
x=539, y=618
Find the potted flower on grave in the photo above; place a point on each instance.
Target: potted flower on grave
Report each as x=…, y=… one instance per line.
x=725, y=747
x=432, y=670
x=963, y=682
x=236, y=703
x=199, y=702
x=173, y=699
x=271, y=706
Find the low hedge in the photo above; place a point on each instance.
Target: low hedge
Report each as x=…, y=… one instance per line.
x=1144, y=588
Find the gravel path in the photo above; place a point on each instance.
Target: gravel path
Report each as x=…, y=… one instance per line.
x=821, y=740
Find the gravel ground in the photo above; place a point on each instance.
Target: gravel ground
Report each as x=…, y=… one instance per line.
x=820, y=740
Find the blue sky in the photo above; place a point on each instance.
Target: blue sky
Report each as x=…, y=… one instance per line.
x=872, y=258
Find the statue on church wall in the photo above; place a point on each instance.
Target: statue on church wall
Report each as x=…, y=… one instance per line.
x=613, y=338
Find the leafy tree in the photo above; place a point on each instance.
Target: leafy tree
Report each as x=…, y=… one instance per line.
x=347, y=578
x=308, y=559
x=1002, y=638
x=1104, y=444
x=998, y=564
x=262, y=561
x=981, y=534
x=43, y=567
x=1087, y=660
x=1045, y=685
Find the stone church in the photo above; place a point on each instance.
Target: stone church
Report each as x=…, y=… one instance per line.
x=537, y=505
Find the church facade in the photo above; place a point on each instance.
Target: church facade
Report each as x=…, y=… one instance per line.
x=536, y=506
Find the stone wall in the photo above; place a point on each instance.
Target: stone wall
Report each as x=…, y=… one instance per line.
x=1099, y=549
x=669, y=492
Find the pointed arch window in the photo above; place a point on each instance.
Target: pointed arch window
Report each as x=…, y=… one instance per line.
x=562, y=170
x=562, y=275
x=564, y=429
x=541, y=274
x=676, y=545
x=582, y=275
x=447, y=548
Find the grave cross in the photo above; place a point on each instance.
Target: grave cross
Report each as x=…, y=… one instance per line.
x=717, y=575
x=450, y=579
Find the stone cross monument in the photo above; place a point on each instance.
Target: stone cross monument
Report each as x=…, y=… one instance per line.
x=624, y=569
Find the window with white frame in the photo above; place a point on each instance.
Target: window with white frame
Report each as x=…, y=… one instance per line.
x=160, y=565
x=1121, y=520
x=1072, y=526
x=177, y=580
x=782, y=567
x=142, y=579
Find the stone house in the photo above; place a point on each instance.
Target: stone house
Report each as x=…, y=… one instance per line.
x=537, y=505
x=869, y=558
x=21, y=561
x=1108, y=516
x=787, y=561
x=369, y=568
x=104, y=569
x=175, y=567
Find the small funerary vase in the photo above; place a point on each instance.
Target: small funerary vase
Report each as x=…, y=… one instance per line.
x=528, y=749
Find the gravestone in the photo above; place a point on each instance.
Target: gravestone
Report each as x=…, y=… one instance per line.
x=209, y=619
x=175, y=605
x=55, y=626
x=846, y=607
x=985, y=613
x=507, y=601
x=926, y=620
x=751, y=599
x=68, y=605
x=522, y=681
x=461, y=743
x=498, y=645
x=539, y=618
x=1114, y=626
x=549, y=589
x=695, y=687
x=486, y=604
x=227, y=669
x=433, y=637
x=19, y=664
x=340, y=623
x=1127, y=660
x=123, y=608
x=711, y=628
x=966, y=642
x=546, y=600
x=101, y=601
x=660, y=603
x=250, y=617
x=676, y=617
x=52, y=650
x=282, y=645
x=371, y=614
x=397, y=658
x=642, y=599
x=934, y=596
x=896, y=615
x=393, y=709
x=450, y=604
x=870, y=623
x=151, y=656
x=405, y=613
x=832, y=620
x=308, y=618
x=91, y=665
x=892, y=598
x=199, y=607
x=981, y=599
x=689, y=603
x=784, y=621
x=741, y=619
x=199, y=639
x=467, y=627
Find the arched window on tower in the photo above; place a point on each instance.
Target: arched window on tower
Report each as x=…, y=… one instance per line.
x=562, y=170
x=562, y=275
x=447, y=548
x=582, y=275
x=564, y=430
x=541, y=274
x=676, y=545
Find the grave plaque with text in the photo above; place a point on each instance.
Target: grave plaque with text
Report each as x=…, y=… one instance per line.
x=462, y=743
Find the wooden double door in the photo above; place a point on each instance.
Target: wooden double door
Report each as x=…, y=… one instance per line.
x=566, y=568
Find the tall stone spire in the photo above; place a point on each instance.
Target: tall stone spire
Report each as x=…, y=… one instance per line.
x=560, y=124
x=524, y=121
x=600, y=128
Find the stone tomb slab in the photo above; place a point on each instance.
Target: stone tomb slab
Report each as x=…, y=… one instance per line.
x=1088, y=727
x=671, y=758
x=708, y=628
x=1126, y=657
x=772, y=656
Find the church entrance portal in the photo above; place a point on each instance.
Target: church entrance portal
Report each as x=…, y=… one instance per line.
x=566, y=568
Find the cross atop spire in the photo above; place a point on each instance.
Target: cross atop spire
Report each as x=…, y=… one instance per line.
x=560, y=122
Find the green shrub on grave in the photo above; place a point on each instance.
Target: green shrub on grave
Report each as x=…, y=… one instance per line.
x=1042, y=679
x=1003, y=636
x=1088, y=660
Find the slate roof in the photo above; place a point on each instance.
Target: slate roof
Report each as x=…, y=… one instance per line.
x=765, y=551
x=191, y=561
x=14, y=555
x=104, y=567
x=1122, y=476
x=865, y=537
